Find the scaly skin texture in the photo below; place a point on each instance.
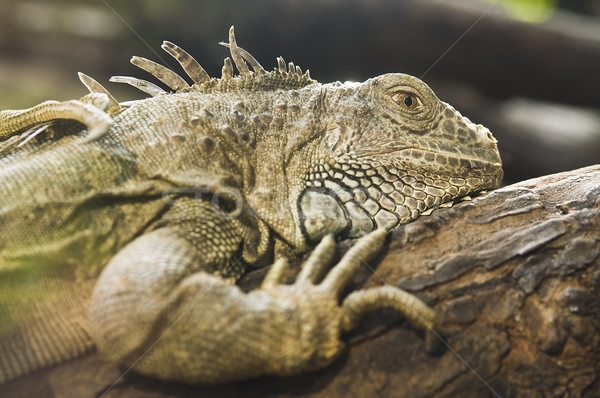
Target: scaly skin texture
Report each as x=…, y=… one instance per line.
x=125, y=229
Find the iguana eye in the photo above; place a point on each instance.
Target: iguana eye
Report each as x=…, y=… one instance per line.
x=406, y=100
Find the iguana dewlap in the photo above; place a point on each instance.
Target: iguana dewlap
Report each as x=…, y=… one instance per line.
x=124, y=224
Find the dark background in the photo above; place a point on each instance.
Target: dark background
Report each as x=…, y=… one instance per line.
x=529, y=70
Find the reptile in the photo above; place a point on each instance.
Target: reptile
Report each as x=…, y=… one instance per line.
x=125, y=225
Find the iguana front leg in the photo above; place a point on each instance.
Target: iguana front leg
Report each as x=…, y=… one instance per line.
x=153, y=310
x=88, y=110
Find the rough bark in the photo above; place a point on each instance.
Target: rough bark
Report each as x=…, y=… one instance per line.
x=514, y=276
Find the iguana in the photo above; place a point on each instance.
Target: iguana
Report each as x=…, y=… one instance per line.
x=124, y=225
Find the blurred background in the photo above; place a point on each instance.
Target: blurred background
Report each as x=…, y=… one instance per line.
x=529, y=70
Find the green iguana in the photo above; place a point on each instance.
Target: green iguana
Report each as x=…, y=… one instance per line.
x=124, y=224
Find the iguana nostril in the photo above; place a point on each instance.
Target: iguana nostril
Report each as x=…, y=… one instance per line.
x=484, y=131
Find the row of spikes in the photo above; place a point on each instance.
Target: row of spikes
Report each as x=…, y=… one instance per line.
x=192, y=68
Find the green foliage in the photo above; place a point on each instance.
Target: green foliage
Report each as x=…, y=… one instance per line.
x=532, y=11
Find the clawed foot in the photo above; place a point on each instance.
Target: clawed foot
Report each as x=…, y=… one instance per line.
x=314, y=283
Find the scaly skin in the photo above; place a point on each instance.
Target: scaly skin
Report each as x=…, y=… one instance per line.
x=128, y=238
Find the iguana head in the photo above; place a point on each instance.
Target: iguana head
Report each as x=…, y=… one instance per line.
x=391, y=151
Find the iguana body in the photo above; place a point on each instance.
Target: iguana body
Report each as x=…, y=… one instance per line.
x=172, y=194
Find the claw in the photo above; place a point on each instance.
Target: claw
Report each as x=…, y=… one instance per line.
x=276, y=273
x=358, y=303
x=364, y=250
x=32, y=133
x=319, y=260
x=420, y=315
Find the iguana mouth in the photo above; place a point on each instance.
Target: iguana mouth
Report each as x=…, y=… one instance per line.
x=485, y=161
x=429, y=155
